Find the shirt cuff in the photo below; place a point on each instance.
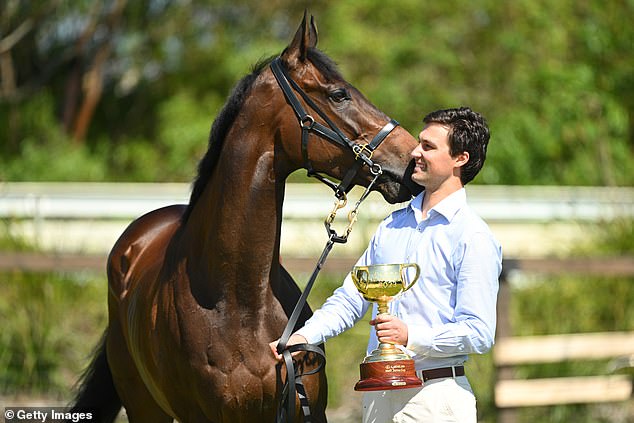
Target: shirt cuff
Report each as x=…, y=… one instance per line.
x=312, y=337
x=419, y=339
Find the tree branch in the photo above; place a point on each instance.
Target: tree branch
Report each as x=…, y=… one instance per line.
x=13, y=38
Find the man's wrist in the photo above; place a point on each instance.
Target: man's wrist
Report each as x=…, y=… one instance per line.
x=308, y=336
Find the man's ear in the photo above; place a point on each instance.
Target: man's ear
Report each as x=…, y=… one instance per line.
x=462, y=159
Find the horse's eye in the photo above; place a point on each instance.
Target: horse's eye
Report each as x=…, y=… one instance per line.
x=339, y=95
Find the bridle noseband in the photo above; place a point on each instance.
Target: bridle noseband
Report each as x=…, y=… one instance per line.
x=362, y=152
x=363, y=156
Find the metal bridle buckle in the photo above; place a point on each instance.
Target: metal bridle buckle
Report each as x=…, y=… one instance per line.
x=362, y=149
x=375, y=169
x=307, y=122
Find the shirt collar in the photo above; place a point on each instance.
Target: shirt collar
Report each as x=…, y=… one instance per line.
x=448, y=207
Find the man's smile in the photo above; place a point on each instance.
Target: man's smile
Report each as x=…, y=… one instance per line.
x=420, y=166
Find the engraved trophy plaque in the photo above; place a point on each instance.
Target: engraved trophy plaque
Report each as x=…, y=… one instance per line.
x=387, y=367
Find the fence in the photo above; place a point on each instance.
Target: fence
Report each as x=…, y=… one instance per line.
x=87, y=218
x=511, y=393
x=514, y=351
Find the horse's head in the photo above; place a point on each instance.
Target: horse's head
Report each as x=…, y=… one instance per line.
x=347, y=118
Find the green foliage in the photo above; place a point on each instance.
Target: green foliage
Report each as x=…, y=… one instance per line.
x=573, y=304
x=46, y=153
x=616, y=237
x=136, y=160
x=50, y=323
x=184, y=123
x=553, y=79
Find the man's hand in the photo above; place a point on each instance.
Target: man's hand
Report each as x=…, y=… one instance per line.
x=293, y=340
x=390, y=329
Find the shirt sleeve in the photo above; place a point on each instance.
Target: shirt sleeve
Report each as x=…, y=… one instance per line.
x=339, y=313
x=472, y=329
x=342, y=309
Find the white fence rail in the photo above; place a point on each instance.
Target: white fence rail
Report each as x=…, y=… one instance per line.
x=311, y=201
x=88, y=217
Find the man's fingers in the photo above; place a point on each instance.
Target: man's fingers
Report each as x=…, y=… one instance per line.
x=294, y=339
x=273, y=346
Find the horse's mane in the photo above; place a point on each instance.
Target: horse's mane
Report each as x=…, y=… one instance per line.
x=326, y=66
x=230, y=110
x=219, y=130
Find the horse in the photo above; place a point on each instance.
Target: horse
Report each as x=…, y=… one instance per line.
x=197, y=291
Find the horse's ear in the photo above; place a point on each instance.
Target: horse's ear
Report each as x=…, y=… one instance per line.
x=305, y=37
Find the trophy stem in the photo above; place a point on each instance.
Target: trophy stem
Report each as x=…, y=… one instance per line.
x=382, y=305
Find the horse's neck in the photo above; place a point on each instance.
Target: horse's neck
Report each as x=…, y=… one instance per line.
x=232, y=236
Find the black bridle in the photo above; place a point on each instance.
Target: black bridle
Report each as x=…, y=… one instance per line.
x=363, y=156
x=362, y=152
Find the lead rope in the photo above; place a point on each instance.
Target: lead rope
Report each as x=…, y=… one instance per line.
x=293, y=384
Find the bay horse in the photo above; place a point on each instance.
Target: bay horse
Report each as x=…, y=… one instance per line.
x=197, y=291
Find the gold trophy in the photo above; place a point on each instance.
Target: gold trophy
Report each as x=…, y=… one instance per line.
x=387, y=367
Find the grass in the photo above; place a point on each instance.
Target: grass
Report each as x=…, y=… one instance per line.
x=50, y=323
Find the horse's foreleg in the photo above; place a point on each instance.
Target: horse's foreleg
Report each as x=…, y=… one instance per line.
x=139, y=404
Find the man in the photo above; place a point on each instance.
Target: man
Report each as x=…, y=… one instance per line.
x=450, y=311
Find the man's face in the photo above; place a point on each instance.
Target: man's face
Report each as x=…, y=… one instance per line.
x=434, y=164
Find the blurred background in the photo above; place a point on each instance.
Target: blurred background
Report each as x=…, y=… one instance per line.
x=105, y=110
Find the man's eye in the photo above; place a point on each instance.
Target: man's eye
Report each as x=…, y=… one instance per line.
x=340, y=95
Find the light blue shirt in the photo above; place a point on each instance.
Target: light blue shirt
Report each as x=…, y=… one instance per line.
x=451, y=310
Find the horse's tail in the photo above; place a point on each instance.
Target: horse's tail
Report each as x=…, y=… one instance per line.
x=96, y=393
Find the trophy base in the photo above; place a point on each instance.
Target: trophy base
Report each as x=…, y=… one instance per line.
x=388, y=375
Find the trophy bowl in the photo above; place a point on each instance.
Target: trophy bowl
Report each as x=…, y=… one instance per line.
x=387, y=367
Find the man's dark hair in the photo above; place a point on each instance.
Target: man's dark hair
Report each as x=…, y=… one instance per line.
x=468, y=131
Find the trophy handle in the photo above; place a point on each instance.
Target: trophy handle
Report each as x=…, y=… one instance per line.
x=362, y=288
x=405, y=266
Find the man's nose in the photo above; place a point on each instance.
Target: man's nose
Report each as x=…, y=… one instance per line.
x=416, y=152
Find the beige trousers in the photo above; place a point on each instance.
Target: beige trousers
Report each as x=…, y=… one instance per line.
x=438, y=401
